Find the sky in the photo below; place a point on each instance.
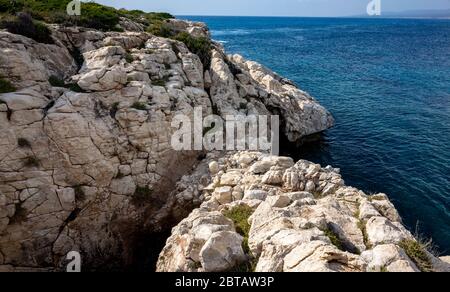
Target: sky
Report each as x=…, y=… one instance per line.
x=322, y=8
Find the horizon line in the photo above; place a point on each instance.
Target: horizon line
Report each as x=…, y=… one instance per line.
x=351, y=16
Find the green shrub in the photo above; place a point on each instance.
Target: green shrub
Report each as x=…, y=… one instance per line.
x=24, y=25
x=143, y=17
x=93, y=15
x=160, y=29
x=158, y=15
x=56, y=82
x=362, y=227
x=417, y=253
x=97, y=16
x=6, y=86
x=160, y=82
x=334, y=238
x=240, y=215
x=10, y=6
x=201, y=46
x=139, y=106
x=129, y=58
x=74, y=87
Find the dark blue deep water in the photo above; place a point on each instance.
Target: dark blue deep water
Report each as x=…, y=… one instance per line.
x=387, y=83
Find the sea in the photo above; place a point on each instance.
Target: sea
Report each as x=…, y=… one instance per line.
x=387, y=83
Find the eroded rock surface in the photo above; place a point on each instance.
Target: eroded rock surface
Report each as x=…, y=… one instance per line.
x=89, y=166
x=304, y=219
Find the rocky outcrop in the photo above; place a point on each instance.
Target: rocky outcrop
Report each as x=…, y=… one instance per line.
x=304, y=219
x=89, y=166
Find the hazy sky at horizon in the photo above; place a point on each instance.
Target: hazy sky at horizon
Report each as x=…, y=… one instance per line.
x=274, y=7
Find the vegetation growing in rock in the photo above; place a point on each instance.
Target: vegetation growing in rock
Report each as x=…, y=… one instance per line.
x=334, y=238
x=93, y=15
x=74, y=87
x=201, y=46
x=56, y=81
x=160, y=82
x=239, y=215
x=139, y=106
x=416, y=251
x=362, y=227
x=159, y=28
x=23, y=24
x=129, y=58
x=6, y=86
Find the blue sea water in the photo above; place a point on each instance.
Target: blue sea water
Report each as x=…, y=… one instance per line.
x=387, y=83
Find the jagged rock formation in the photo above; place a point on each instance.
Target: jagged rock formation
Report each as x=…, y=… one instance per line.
x=304, y=219
x=89, y=166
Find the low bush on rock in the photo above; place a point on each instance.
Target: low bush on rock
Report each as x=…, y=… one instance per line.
x=129, y=58
x=334, y=238
x=362, y=226
x=160, y=29
x=23, y=24
x=6, y=86
x=74, y=87
x=160, y=82
x=93, y=15
x=239, y=215
x=56, y=82
x=417, y=253
x=139, y=106
x=201, y=46
x=97, y=16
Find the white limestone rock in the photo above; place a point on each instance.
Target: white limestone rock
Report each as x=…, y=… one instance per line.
x=222, y=251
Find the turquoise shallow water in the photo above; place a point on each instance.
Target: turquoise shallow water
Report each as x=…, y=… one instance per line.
x=387, y=83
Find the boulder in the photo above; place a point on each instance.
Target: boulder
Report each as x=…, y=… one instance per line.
x=222, y=252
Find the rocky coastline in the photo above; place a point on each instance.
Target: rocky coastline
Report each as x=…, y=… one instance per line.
x=86, y=164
